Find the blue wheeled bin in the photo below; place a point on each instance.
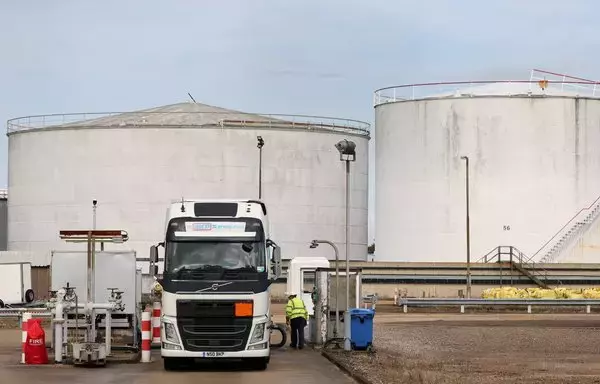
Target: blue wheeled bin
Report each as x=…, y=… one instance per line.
x=361, y=328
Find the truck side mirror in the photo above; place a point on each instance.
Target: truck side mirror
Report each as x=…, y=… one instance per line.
x=155, y=271
x=276, y=262
x=154, y=254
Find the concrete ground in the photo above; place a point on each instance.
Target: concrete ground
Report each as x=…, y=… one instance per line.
x=287, y=366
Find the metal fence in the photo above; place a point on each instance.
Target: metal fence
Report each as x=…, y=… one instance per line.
x=462, y=303
x=535, y=86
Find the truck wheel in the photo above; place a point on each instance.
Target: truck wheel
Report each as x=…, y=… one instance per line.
x=29, y=296
x=259, y=363
x=171, y=363
x=1, y=304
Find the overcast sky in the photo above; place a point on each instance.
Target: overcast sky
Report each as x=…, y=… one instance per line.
x=301, y=57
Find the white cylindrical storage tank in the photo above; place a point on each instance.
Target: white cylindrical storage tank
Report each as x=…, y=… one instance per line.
x=135, y=163
x=534, y=164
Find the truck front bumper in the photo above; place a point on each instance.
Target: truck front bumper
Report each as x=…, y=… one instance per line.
x=215, y=355
x=173, y=347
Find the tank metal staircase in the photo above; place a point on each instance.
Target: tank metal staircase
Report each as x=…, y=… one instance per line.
x=519, y=261
x=572, y=230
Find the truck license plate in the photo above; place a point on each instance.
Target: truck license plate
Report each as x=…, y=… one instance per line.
x=212, y=354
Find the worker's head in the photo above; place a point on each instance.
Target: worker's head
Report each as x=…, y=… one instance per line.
x=290, y=295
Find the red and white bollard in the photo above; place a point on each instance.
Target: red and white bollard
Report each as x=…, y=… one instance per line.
x=146, y=336
x=156, y=323
x=24, y=320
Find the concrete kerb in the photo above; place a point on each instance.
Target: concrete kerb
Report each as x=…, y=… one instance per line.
x=359, y=378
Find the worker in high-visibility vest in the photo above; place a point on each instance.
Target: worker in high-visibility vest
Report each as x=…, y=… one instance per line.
x=296, y=316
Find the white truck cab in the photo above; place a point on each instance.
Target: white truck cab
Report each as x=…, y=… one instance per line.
x=219, y=264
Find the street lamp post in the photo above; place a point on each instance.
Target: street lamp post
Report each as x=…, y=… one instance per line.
x=259, y=145
x=466, y=159
x=315, y=244
x=347, y=150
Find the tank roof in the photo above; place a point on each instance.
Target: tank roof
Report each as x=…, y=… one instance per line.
x=180, y=114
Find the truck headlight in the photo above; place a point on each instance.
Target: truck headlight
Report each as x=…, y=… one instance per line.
x=170, y=333
x=258, y=334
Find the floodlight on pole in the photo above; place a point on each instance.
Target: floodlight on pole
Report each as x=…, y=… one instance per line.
x=347, y=150
x=315, y=244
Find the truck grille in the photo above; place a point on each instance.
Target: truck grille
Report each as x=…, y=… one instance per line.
x=207, y=326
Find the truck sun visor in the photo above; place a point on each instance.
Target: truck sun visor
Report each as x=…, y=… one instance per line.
x=215, y=209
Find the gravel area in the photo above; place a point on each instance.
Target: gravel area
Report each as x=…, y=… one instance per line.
x=482, y=351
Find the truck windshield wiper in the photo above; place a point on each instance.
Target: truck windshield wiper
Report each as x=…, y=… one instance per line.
x=200, y=269
x=207, y=267
x=247, y=268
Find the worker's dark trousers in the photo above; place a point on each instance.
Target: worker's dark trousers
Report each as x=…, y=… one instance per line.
x=297, y=325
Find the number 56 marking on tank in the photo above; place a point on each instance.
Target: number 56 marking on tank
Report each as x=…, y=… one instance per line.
x=212, y=354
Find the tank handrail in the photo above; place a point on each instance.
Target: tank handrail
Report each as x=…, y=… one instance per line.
x=565, y=226
x=564, y=75
x=66, y=120
x=405, y=92
x=487, y=82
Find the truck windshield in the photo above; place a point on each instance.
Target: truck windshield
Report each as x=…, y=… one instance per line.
x=211, y=255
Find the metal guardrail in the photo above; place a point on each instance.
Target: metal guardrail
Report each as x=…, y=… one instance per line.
x=408, y=92
x=370, y=301
x=550, y=302
x=18, y=312
x=406, y=302
x=187, y=119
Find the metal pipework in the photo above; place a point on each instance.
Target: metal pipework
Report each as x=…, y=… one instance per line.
x=66, y=299
x=116, y=299
x=315, y=244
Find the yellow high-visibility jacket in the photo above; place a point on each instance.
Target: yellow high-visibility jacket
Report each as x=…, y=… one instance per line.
x=295, y=308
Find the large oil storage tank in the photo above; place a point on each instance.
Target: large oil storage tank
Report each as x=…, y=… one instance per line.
x=135, y=163
x=534, y=170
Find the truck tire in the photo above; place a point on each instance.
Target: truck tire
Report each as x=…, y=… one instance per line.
x=1, y=304
x=29, y=296
x=171, y=363
x=259, y=363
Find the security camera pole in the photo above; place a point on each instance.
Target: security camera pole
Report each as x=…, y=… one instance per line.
x=347, y=150
x=259, y=145
x=94, y=208
x=315, y=244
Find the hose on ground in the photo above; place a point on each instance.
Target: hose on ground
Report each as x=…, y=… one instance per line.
x=281, y=329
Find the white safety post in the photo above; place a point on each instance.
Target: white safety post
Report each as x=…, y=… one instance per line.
x=462, y=309
x=108, y=332
x=529, y=309
x=146, y=336
x=588, y=309
x=24, y=320
x=58, y=332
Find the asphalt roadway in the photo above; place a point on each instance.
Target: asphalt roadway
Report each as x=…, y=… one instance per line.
x=286, y=366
